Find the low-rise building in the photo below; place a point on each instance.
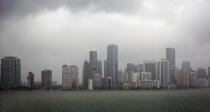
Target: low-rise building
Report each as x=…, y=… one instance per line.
x=144, y=80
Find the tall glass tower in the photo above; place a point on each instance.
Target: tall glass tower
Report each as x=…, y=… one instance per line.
x=112, y=62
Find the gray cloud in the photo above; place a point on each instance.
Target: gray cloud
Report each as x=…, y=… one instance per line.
x=49, y=33
x=25, y=7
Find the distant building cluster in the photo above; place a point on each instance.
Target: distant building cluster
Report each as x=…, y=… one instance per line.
x=151, y=74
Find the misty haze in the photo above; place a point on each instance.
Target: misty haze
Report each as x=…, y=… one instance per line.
x=104, y=55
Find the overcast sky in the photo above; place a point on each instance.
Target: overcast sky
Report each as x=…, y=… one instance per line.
x=50, y=33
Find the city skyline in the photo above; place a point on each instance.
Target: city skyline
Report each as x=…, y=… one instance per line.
x=93, y=56
x=52, y=33
x=104, y=55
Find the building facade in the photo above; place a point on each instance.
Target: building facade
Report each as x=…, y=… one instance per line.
x=93, y=63
x=131, y=68
x=202, y=83
x=170, y=56
x=86, y=73
x=70, y=76
x=46, y=78
x=186, y=65
x=163, y=72
x=146, y=82
x=112, y=63
x=140, y=68
x=202, y=74
x=182, y=78
x=150, y=66
x=10, y=72
x=193, y=79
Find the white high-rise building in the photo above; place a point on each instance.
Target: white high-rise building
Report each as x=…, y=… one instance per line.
x=70, y=76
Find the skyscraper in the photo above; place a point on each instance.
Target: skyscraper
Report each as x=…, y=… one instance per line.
x=112, y=62
x=93, y=63
x=10, y=72
x=170, y=56
x=85, y=74
x=163, y=72
x=30, y=79
x=150, y=66
x=46, y=78
x=70, y=76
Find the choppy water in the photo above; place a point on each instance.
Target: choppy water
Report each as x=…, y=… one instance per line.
x=106, y=101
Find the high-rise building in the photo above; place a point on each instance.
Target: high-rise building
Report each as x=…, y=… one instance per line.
x=208, y=72
x=163, y=72
x=93, y=63
x=30, y=79
x=95, y=69
x=170, y=56
x=92, y=70
x=186, y=65
x=10, y=72
x=85, y=74
x=202, y=74
x=46, y=78
x=150, y=66
x=112, y=62
x=70, y=76
x=182, y=78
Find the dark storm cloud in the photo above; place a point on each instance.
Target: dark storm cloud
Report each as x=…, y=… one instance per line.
x=25, y=7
